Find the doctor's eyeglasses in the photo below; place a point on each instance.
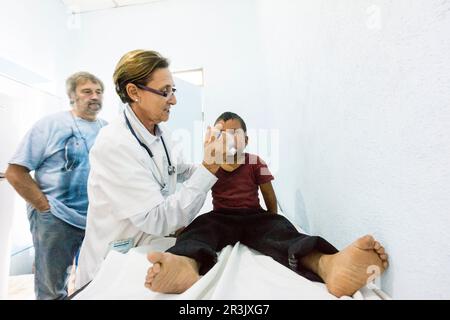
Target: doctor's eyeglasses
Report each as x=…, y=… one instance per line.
x=167, y=94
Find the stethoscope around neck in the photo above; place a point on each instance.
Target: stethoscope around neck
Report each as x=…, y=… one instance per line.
x=170, y=168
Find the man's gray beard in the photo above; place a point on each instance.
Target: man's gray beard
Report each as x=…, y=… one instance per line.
x=96, y=110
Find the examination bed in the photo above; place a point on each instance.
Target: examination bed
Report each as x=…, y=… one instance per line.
x=240, y=273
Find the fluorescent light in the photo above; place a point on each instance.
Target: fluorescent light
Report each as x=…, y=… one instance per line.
x=79, y=6
x=132, y=2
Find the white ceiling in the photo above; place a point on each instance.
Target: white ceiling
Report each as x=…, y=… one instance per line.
x=79, y=6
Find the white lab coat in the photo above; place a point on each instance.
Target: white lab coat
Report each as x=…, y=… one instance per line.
x=125, y=198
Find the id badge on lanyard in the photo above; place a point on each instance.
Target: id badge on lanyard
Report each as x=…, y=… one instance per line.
x=122, y=246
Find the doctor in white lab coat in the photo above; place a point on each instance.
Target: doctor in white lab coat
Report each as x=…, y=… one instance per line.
x=133, y=176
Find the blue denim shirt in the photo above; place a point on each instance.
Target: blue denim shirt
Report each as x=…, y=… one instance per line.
x=57, y=148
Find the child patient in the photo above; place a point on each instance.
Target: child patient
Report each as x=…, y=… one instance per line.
x=238, y=216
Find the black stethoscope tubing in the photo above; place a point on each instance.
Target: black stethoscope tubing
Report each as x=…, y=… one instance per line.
x=171, y=168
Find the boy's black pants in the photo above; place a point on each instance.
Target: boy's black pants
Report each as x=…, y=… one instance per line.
x=271, y=234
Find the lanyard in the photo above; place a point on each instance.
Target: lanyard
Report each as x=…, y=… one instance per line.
x=170, y=169
x=79, y=131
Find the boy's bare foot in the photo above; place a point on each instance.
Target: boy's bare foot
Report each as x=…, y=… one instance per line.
x=349, y=270
x=171, y=273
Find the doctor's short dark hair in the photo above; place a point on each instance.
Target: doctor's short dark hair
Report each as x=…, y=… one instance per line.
x=231, y=116
x=136, y=67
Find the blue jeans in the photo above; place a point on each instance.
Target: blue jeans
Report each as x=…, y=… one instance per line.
x=56, y=243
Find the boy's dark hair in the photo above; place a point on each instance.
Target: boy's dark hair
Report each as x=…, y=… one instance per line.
x=232, y=116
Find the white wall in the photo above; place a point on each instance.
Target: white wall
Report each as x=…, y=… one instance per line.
x=218, y=35
x=361, y=96
x=35, y=38
x=357, y=91
x=34, y=45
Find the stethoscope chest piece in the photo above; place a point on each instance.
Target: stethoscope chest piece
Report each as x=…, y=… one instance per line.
x=171, y=170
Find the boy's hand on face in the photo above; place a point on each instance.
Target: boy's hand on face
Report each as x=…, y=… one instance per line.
x=214, y=151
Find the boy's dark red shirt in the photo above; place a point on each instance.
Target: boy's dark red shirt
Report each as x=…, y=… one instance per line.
x=239, y=189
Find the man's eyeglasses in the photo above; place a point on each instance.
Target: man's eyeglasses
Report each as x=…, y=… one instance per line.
x=167, y=94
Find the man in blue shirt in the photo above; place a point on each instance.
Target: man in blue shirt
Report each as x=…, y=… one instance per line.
x=57, y=148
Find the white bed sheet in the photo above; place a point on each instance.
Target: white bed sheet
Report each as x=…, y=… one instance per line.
x=240, y=274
